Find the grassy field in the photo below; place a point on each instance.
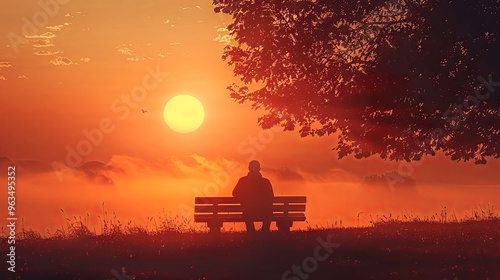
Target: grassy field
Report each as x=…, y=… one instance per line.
x=388, y=250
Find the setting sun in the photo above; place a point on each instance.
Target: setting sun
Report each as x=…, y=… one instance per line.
x=184, y=113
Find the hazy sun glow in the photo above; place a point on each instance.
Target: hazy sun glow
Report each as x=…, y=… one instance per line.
x=184, y=113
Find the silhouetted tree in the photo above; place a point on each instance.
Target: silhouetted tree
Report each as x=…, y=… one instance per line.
x=383, y=182
x=400, y=78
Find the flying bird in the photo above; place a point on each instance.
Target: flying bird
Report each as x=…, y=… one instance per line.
x=144, y=111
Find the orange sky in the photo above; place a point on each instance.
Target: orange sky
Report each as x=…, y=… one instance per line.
x=69, y=69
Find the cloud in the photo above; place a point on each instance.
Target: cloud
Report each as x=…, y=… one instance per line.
x=223, y=36
x=200, y=164
x=139, y=58
x=169, y=22
x=5, y=64
x=176, y=43
x=98, y=172
x=22, y=77
x=194, y=167
x=284, y=174
x=192, y=7
x=124, y=50
x=42, y=43
x=332, y=175
x=46, y=35
x=60, y=60
x=225, y=39
x=58, y=27
x=2, y=78
x=92, y=171
x=27, y=167
x=85, y=59
x=47, y=52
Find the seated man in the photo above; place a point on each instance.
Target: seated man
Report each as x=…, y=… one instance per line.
x=255, y=194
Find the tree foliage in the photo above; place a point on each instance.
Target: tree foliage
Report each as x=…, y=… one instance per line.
x=399, y=79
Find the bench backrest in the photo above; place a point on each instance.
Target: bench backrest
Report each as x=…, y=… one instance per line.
x=282, y=205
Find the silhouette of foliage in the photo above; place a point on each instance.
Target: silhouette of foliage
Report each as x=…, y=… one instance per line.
x=400, y=79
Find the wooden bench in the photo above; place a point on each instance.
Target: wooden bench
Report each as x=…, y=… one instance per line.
x=214, y=211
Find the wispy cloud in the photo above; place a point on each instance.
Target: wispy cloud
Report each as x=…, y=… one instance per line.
x=58, y=27
x=22, y=77
x=124, y=50
x=42, y=43
x=223, y=36
x=5, y=64
x=85, y=59
x=29, y=166
x=98, y=172
x=2, y=78
x=169, y=22
x=285, y=174
x=48, y=52
x=192, y=7
x=176, y=43
x=139, y=58
x=225, y=39
x=61, y=60
x=46, y=35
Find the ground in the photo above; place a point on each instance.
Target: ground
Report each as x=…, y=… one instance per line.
x=411, y=250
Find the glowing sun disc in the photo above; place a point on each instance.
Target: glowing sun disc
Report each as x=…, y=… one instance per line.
x=184, y=113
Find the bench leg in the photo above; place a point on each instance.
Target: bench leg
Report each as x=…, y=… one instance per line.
x=284, y=226
x=214, y=227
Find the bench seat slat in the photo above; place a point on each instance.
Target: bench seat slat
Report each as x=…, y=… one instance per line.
x=237, y=208
x=232, y=200
x=239, y=217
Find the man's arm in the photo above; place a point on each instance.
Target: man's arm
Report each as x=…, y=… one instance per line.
x=237, y=189
x=270, y=188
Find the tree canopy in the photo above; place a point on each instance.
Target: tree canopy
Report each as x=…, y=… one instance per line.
x=399, y=79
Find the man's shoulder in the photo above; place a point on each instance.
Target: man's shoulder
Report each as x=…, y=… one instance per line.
x=254, y=179
x=265, y=180
x=244, y=179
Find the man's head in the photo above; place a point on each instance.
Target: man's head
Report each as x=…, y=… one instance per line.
x=254, y=166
